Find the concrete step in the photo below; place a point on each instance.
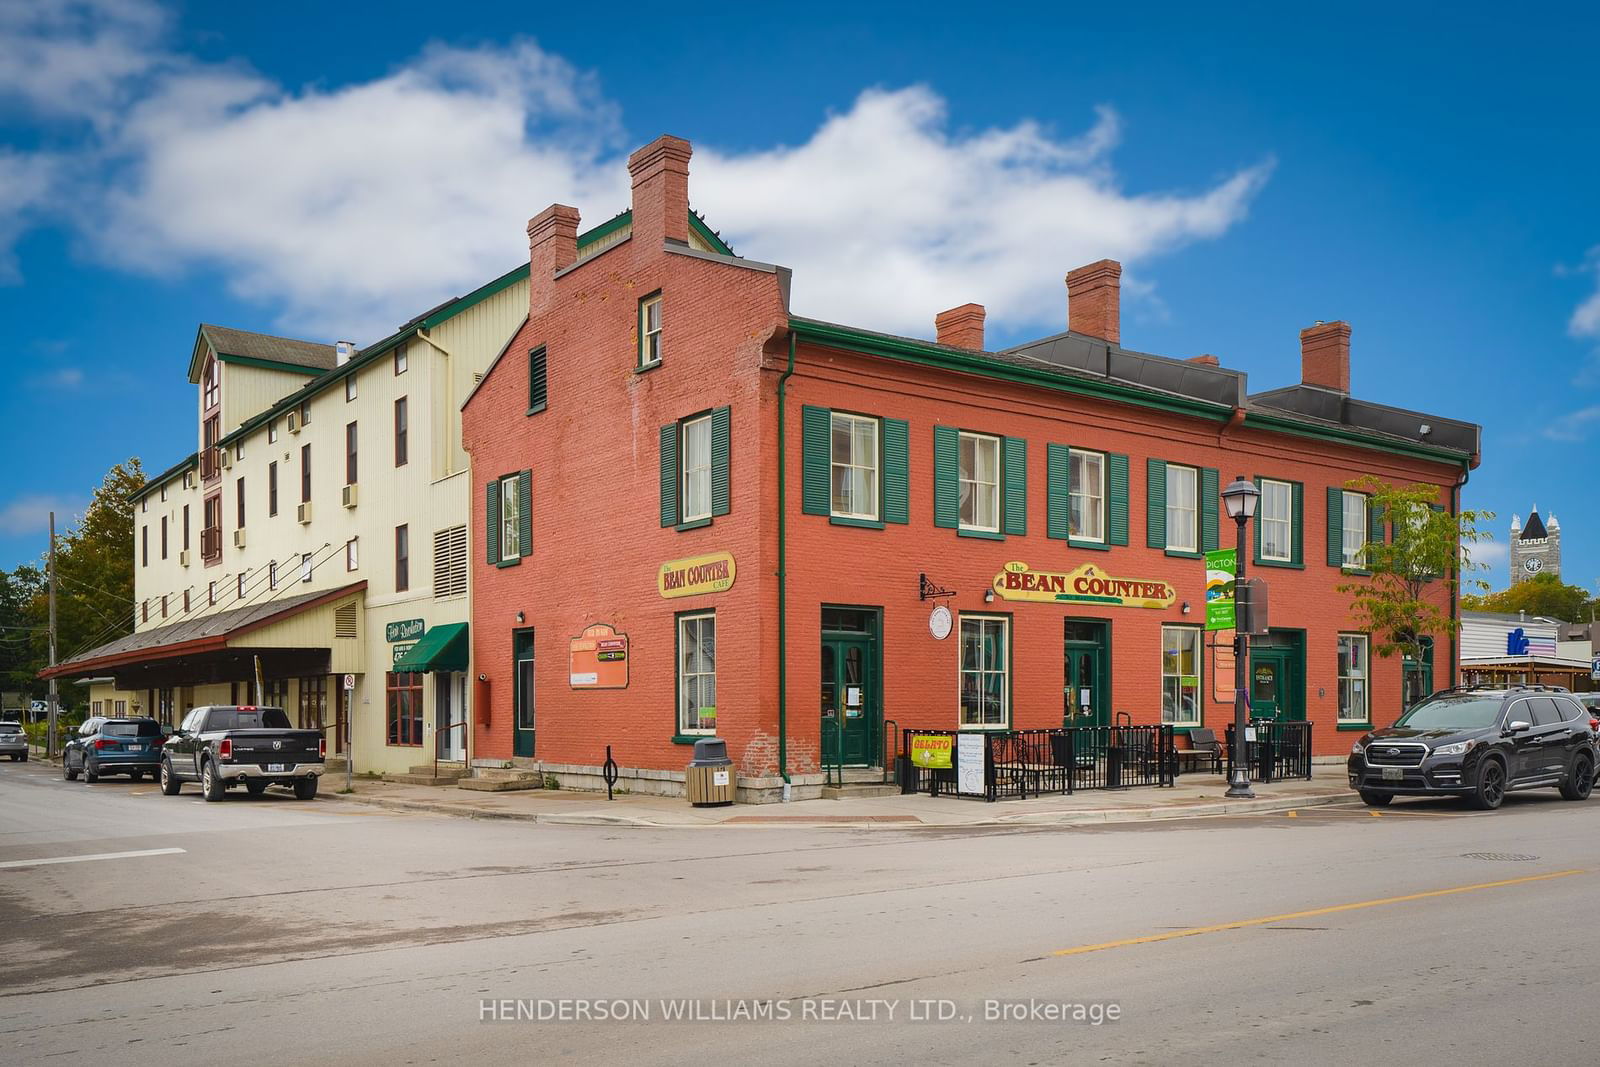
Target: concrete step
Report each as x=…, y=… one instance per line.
x=422, y=779
x=503, y=783
x=443, y=769
x=859, y=791
x=334, y=765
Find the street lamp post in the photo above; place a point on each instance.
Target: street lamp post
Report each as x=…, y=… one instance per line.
x=1239, y=499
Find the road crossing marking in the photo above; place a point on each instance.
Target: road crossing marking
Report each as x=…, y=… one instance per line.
x=96, y=856
x=1335, y=909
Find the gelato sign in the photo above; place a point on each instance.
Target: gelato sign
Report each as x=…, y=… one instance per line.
x=932, y=751
x=1086, y=585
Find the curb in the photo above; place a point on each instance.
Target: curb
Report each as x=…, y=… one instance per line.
x=1094, y=816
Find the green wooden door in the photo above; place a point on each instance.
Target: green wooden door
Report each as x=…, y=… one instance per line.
x=1418, y=678
x=522, y=680
x=1273, y=686
x=1086, y=681
x=849, y=695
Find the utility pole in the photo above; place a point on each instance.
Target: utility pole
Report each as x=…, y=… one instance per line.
x=50, y=733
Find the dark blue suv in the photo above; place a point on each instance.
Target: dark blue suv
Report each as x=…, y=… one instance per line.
x=105, y=746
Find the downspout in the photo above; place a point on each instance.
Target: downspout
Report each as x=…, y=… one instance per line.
x=1455, y=586
x=783, y=580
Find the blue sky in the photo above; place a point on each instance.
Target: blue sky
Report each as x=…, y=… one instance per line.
x=328, y=171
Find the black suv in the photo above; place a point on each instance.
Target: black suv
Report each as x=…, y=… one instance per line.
x=1479, y=743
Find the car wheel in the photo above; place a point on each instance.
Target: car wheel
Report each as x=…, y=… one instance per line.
x=305, y=788
x=256, y=788
x=1491, y=789
x=1376, y=800
x=212, y=786
x=91, y=770
x=66, y=767
x=170, y=785
x=1580, y=781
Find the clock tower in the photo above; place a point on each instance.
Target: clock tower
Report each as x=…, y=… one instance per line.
x=1535, y=546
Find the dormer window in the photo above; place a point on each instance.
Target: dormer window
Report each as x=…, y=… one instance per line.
x=212, y=381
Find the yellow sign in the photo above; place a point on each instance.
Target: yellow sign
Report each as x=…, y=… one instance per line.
x=699, y=574
x=1086, y=585
x=932, y=751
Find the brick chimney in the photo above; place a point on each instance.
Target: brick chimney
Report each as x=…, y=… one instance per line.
x=961, y=326
x=661, y=191
x=552, y=245
x=1325, y=356
x=1208, y=359
x=1094, y=300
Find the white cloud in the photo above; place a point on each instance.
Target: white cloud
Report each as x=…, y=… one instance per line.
x=350, y=209
x=30, y=514
x=62, y=378
x=1491, y=554
x=26, y=181
x=1575, y=425
x=76, y=58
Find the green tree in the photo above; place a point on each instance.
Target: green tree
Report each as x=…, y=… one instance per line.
x=20, y=636
x=1429, y=549
x=1543, y=594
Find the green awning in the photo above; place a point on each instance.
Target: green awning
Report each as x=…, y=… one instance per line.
x=442, y=648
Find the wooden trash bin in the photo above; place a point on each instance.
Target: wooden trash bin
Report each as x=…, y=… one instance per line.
x=710, y=780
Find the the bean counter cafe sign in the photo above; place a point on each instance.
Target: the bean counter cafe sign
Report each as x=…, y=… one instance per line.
x=1086, y=585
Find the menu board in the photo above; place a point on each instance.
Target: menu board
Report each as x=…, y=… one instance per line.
x=969, y=764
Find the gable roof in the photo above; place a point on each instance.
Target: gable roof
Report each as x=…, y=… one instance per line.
x=259, y=349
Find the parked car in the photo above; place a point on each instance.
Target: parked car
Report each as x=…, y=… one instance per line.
x=104, y=746
x=13, y=741
x=221, y=746
x=1478, y=744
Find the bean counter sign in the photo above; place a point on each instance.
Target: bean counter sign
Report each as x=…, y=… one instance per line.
x=1086, y=585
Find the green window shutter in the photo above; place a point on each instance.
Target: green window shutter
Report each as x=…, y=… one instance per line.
x=1210, y=508
x=1297, y=538
x=1155, y=503
x=525, y=512
x=721, y=429
x=491, y=533
x=1116, y=499
x=538, y=393
x=1335, y=527
x=896, y=471
x=1374, y=522
x=669, y=474
x=1255, y=530
x=816, y=426
x=1057, y=476
x=946, y=477
x=1015, y=519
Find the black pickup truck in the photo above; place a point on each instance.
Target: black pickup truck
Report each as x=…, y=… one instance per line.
x=220, y=746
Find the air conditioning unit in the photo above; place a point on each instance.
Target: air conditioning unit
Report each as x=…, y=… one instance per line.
x=238, y=538
x=226, y=459
x=303, y=512
x=350, y=496
x=183, y=558
x=294, y=422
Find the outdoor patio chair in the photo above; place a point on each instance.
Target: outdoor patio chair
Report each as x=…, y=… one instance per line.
x=1204, y=748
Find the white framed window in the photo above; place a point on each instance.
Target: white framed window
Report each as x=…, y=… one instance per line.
x=979, y=482
x=400, y=360
x=1276, y=516
x=1355, y=528
x=306, y=566
x=352, y=556
x=1353, y=695
x=272, y=431
x=510, y=518
x=695, y=464
x=1183, y=490
x=854, y=466
x=1087, y=495
x=349, y=388
x=650, y=331
x=1180, y=675
x=985, y=678
x=697, y=674
x=272, y=575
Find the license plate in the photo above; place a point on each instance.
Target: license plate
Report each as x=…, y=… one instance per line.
x=1393, y=774
x=274, y=767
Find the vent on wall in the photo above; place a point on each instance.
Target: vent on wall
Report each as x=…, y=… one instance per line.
x=450, y=562
x=344, y=621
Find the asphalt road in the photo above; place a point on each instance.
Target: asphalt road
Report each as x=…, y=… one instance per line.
x=327, y=932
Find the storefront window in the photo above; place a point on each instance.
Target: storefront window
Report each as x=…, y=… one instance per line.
x=980, y=482
x=985, y=670
x=1353, y=678
x=314, y=701
x=403, y=691
x=1087, y=496
x=1180, y=675
x=697, y=674
x=1182, y=535
x=1355, y=528
x=854, y=466
x=1276, y=517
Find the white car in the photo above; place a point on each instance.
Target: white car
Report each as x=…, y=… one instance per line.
x=13, y=742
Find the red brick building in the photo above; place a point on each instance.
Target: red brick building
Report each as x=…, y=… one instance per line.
x=706, y=514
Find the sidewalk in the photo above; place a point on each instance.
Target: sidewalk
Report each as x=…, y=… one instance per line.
x=1195, y=795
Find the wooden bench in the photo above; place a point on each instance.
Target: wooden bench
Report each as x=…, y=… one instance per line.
x=1203, y=748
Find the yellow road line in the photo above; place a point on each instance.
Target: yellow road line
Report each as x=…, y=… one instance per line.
x=1243, y=923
